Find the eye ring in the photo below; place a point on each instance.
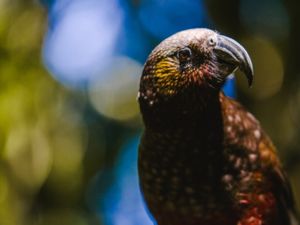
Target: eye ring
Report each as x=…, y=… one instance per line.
x=212, y=41
x=184, y=54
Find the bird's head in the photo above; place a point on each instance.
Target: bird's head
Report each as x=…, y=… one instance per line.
x=188, y=67
x=192, y=59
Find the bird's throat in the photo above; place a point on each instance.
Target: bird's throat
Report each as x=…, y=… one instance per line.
x=189, y=111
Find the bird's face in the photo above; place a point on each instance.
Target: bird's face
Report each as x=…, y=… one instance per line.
x=191, y=60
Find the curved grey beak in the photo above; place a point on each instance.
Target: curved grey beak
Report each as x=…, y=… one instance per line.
x=231, y=52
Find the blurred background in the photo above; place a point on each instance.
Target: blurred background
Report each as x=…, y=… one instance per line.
x=69, y=121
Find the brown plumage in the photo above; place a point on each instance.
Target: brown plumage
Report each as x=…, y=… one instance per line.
x=204, y=159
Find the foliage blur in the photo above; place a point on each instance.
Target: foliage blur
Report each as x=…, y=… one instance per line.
x=69, y=123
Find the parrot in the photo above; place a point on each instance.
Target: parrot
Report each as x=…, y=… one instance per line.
x=203, y=158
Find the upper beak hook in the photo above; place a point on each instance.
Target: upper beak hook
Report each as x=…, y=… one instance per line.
x=232, y=52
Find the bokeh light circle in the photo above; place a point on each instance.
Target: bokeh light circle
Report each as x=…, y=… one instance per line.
x=82, y=41
x=114, y=94
x=268, y=69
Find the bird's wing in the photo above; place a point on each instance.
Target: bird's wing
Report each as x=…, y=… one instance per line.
x=283, y=192
x=280, y=183
x=243, y=132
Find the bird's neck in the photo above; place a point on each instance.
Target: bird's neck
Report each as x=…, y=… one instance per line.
x=189, y=113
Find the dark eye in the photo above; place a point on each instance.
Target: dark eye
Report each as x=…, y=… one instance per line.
x=184, y=54
x=212, y=41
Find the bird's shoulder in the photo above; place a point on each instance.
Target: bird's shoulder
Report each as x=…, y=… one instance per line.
x=246, y=142
x=242, y=130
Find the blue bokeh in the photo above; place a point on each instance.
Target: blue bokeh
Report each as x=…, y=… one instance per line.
x=122, y=202
x=163, y=18
x=81, y=39
x=229, y=87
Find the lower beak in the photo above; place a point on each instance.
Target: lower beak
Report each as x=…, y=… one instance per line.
x=231, y=52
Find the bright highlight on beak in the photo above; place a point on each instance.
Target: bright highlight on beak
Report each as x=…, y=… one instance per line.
x=231, y=52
